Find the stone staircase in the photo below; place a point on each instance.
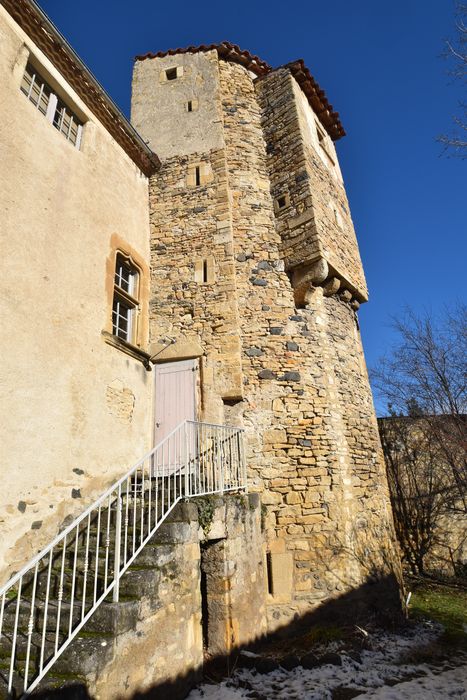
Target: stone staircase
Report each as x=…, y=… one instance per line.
x=65, y=610
x=70, y=578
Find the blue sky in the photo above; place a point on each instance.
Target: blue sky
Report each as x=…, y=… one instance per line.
x=380, y=65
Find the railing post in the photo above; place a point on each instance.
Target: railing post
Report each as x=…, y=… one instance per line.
x=187, y=461
x=243, y=460
x=118, y=530
x=220, y=461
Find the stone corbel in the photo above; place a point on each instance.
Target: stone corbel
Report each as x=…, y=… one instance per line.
x=306, y=278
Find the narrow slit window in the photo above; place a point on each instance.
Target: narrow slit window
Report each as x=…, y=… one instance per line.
x=269, y=573
x=197, y=176
x=205, y=271
x=189, y=106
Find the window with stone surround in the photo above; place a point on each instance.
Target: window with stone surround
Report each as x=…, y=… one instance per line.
x=55, y=110
x=282, y=202
x=192, y=105
x=125, y=306
x=323, y=142
x=199, y=174
x=205, y=271
x=167, y=75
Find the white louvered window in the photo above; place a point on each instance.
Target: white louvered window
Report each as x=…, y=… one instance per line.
x=125, y=300
x=39, y=92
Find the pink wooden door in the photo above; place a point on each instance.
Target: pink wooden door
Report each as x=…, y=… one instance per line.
x=175, y=396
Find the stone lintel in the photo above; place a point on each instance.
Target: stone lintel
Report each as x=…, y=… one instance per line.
x=181, y=349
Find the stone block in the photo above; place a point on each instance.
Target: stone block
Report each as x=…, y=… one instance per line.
x=276, y=435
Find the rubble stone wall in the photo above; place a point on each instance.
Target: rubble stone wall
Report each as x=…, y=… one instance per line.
x=163, y=651
x=292, y=372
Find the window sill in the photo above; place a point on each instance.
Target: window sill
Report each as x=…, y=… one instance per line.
x=128, y=348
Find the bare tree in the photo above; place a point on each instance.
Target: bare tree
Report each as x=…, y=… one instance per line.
x=426, y=375
x=456, y=54
x=420, y=486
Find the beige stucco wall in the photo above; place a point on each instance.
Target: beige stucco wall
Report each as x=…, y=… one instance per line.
x=76, y=411
x=175, y=130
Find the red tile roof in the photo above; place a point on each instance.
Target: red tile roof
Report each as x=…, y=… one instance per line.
x=231, y=52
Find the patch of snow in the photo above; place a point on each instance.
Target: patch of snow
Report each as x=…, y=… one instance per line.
x=381, y=675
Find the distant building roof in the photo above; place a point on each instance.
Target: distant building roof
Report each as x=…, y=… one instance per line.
x=46, y=36
x=231, y=52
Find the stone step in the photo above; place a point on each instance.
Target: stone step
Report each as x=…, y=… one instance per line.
x=93, y=645
x=86, y=655
x=108, y=617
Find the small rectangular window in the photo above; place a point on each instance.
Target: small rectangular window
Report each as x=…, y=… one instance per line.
x=281, y=202
x=39, y=92
x=125, y=300
x=171, y=73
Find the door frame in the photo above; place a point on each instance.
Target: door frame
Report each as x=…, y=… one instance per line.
x=195, y=370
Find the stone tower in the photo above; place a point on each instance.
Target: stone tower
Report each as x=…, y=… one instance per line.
x=256, y=274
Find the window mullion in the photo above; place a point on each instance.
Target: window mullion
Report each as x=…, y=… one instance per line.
x=33, y=78
x=51, y=107
x=70, y=124
x=78, y=137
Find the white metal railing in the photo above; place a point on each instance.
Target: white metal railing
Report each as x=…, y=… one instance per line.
x=44, y=606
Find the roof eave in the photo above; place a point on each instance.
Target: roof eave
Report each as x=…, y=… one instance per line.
x=231, y=52
x=34, y=22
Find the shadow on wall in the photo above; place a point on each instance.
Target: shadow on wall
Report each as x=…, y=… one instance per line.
x=377, y=601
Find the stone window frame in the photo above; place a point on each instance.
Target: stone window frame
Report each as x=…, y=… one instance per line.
x=136, y=346
x=323, y=143
x=199, y=174
x=192, y=105
x=125, y=304
x=205, y=272
x=167, y=75
x=336, y=215
x=38, y=88
x=281, y=202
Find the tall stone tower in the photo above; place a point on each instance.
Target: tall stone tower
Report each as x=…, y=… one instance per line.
x=257, y=277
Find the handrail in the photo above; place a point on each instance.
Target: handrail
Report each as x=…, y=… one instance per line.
x=58, y=590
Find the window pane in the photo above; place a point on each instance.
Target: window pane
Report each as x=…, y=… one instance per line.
x=73, y=134
x=125, y=276
x=39, y=92
x=121, y=319
x=26, y=82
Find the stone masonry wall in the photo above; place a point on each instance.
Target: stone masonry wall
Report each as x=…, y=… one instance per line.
x=152, y=641
x=315, y=221
x=190, y=224
x=311, y=430
x=294, y=377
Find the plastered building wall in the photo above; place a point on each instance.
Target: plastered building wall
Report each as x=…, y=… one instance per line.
x=291, y=290
x=76, y=411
